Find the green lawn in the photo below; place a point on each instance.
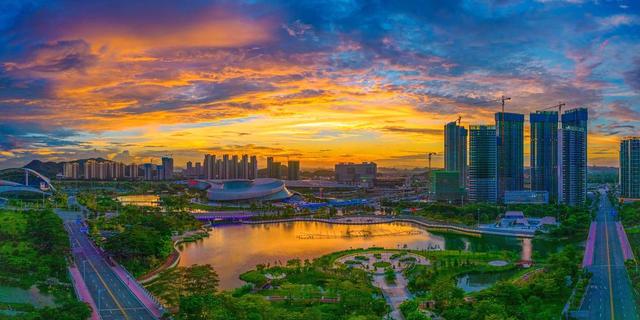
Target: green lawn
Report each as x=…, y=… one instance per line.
x=347, y=292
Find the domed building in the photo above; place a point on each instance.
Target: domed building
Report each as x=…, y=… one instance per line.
x=246, y=190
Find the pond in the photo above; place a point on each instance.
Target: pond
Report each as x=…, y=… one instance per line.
x=141, y=200
x=472, y=282
x=234, y=249
x=31, y=296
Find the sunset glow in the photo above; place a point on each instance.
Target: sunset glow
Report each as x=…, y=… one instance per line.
x=322, y=82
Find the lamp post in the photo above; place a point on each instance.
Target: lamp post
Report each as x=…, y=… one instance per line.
x=99, y=298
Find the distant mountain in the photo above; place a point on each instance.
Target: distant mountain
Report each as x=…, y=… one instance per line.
x=50, y=169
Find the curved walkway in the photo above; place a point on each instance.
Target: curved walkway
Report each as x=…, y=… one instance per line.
x=395, y=293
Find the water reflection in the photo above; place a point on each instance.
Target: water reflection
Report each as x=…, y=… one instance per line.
x=233, y=249
x=472, y=282
x=146, y=200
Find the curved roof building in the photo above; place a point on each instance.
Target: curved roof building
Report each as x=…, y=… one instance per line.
x=247, y=190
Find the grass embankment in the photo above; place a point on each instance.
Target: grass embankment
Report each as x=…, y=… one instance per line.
x=34, y=249
x=298, y=290
x=630, y=216
x=140, y=238
x=541, y=296
x=574, y=220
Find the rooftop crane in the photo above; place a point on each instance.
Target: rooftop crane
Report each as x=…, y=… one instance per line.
x=559, y=106
x=503, y=99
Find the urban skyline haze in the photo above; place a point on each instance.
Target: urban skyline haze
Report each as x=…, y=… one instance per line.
x=322, y=83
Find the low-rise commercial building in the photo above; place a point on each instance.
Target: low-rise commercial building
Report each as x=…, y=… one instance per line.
x=526, y=197
x=359, y=174
x=446, y=186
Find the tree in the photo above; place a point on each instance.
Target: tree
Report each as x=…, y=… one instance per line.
x=174, y=284
x=138, y=246
x=486, y=308
x=445, y=293
x=200, y=279
x=389, y=276
x=72, y=310
x=294, y=263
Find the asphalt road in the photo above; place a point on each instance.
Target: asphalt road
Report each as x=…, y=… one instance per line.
x=111, y=295
x=610, y=294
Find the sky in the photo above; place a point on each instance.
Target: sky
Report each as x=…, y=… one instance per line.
x=317, y=81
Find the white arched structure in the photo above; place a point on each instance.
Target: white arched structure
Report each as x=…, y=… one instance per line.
x=13, y=186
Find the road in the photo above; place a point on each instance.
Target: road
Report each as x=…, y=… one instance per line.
x=610, y=294
x=112, y=296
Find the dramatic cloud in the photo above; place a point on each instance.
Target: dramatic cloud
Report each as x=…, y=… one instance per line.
x=319, y=81
x=57, y=56
x=632, y=77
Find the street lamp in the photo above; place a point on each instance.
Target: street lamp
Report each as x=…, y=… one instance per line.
x=99, y=298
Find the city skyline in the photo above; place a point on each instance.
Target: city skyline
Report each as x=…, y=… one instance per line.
x=322, y=83
x=630, y=167
x=334, y=159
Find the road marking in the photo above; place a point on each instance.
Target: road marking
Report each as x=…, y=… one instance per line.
x=606, y=233
x=108, y=290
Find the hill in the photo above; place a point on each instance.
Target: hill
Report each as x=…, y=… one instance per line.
x=50, y=169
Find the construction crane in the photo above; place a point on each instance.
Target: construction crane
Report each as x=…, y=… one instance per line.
x=503, y=99
x=558, y=106
x=429, y=155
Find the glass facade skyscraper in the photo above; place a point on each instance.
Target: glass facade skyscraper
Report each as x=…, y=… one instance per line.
x=630, y=167
x=455, y=151
x=482, y=163
x=573, y=143
x=167, y=168
x=544, y=152
x=510, y=152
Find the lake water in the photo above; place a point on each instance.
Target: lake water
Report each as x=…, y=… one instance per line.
x=146, y=200
x=32, y=296
x=234, y=249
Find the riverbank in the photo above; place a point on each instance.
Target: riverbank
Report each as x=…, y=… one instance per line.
x=174, y=258
x=360, y=220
